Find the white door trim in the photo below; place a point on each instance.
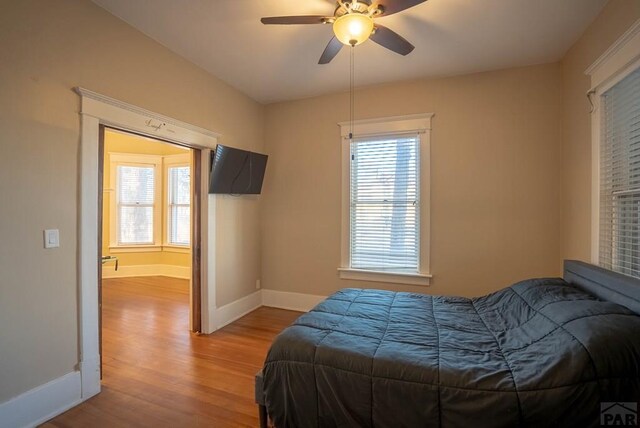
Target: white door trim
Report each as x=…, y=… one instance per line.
x=96, y=110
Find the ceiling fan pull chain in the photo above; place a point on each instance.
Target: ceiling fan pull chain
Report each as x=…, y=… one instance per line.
x=351, y=92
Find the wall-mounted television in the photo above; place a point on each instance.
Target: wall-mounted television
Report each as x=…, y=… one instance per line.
x=236, y=172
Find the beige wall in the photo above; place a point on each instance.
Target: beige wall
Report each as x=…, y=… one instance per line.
x=47, y=48
x=499, y=170
x=613, y=21
x=495, y=159
x=117, y=142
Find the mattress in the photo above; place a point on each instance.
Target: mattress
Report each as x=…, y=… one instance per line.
x=538, y=353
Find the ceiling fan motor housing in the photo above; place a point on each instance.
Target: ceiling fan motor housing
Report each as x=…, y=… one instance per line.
x=357, y=7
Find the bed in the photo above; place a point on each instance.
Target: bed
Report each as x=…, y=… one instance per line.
x=543, y=352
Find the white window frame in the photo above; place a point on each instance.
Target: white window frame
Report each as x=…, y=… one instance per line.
x=616, y=63
x=417, y=124
x=127, y=159
x=171, y=161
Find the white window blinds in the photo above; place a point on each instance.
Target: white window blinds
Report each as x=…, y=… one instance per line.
x=135, y=193
x=385, y=205
x=179, y=198
x=620, y=177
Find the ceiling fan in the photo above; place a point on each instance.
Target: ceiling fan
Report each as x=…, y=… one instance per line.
x=353, y=23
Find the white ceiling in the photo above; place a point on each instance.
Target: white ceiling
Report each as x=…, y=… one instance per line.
x=275, y=63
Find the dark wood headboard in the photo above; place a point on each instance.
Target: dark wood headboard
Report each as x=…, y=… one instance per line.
x=604, y=284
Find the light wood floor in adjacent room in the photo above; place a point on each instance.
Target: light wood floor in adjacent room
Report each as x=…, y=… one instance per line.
x=157, y=374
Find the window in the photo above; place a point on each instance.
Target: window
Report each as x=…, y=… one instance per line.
x=141, y=185
x=620, y=177
x=385, y=230
x=135, y=190
x=385, y=204
x=137, y=193
x=178, y=205
x=615, y=153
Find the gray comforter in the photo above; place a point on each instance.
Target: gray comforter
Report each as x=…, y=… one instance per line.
x=538, y=353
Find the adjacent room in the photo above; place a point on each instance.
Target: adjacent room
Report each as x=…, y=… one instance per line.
x=145, y=287
x=325, y=213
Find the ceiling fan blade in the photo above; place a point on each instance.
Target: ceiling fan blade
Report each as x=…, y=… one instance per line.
x=290, y=20
x=389, y=7
x=332, y=49
x=391, y=40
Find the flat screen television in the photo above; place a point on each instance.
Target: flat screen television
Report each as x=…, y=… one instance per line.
x=236, y=172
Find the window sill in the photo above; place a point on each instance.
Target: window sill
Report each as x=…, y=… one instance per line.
x=389, y=277
x=135, y=248
x=176, y=249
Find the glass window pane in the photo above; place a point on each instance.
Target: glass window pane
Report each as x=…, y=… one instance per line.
x=136, y=225
x=180, y=225
x=136, y=184
x=179, y=185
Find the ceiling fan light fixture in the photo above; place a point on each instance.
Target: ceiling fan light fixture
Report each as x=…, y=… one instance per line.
x=353, y=28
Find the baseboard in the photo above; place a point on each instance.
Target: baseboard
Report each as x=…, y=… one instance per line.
x=183, y=272
x=288, y=300
x=42, y=403
x=230, y=312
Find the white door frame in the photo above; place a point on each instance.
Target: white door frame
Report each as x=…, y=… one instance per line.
x=96, y=110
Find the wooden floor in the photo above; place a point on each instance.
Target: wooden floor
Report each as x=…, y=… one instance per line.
x=155, y=373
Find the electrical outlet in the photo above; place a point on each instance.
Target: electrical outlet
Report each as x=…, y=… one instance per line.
x=257, y=284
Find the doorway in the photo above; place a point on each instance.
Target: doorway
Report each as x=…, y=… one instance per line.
x=149, y=235
x=98, y=110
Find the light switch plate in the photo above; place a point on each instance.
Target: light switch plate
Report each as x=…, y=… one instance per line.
x=51, y=238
